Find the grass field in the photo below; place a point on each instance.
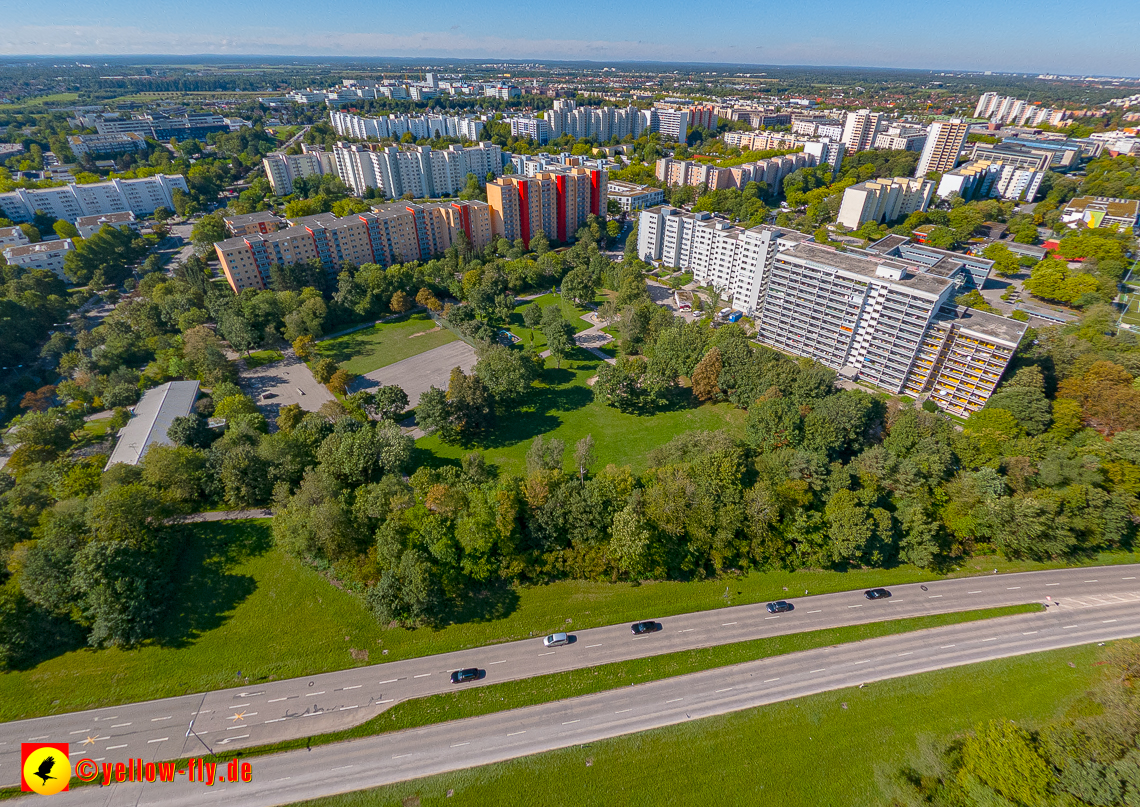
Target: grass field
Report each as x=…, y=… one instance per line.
x=260, y=358
x=570, y=311
x=55, y=97
x=246, y=606
x=562, y=406
x=370, y=349
x=836, y=749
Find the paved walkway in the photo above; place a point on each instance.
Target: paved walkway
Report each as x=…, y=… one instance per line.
x=289, y=381
x=222, y=515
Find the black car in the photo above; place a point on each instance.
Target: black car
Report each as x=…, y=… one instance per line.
x=642, y=628
x=780, y=607
x=876, y=594
x=463, y=676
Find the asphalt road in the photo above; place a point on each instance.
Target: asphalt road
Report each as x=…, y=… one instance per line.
x=269, y=711
x=375, y=761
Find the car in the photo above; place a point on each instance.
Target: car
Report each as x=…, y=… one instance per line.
x=780, y=607
x=556, y=640
x=876, y=594
x=642, y=628
x=463, y=676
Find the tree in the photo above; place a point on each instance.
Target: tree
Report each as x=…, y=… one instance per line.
x=400, y=303
x=428, y=300
x=1005, y=262
x=544, y=455
x=705, y=376
x=532, y=318
x=190, y=430
x=390, y=401
x=324, y=370
x=338, y=383
x=433, y=414
x=539, y=243
x=584, y=455
x=122, y=591
x=558, y=332
x=65, y=229
x=1002, y=755
x=507, y=374
x=471, y=404
x=233, y=405
x=365, y=453
x=303, y=347
x=208, y=230
x=289, y=417
x=579, y=285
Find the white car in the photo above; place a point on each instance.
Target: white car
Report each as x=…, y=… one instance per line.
x=556, y=640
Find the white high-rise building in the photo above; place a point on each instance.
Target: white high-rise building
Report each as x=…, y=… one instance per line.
x=943, y=146
x=860, y=129
x=881, y=200
x=281, y=169
x=420, y=170
x=70, y=202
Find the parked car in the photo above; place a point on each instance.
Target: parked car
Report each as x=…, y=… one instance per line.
x=463, y=676
x=876, y=594
x=556, y=640
x=642, y=628
x=780, y=607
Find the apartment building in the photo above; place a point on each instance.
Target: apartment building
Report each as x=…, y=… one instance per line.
x=984, y=179
x=556, y=201
x=1034, y=155
x=825, y=149
x=161, y=127
x=901, y=138
x=47, y=255
x=12, y=237
x=943, y=146
x=860, y=129
x=962, y=357
x=536, y=129
x=817, y=126
x=140, y=196
x=106, y=144
x=881, y=200
x=89, y=225
x=419, y=170
x=1102, y=211
x=632, y=197
x=1008, y=110
x=771, y=171
x=393, y=127
x=250, y=223
x=282, y=169
x=883, y=315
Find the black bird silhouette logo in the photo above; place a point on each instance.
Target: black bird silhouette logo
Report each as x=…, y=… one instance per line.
x=45, y=768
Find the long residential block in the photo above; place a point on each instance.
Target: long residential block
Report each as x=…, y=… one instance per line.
x=70, y=202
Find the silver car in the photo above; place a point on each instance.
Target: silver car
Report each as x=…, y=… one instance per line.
x=556, y=640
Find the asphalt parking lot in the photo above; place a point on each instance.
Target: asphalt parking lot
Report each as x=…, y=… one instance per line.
x=418, y=373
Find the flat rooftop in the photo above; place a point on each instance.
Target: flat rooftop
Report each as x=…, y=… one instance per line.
x=868, y=267
x=252, y=218
x=151, y=420
x=42, y=248
x=990, y=326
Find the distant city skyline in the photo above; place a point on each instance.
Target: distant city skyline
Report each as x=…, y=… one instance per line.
x=1016, y=36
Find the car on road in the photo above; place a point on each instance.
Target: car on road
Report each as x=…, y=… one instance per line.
x=876, y=594
x=642, y=628
x=556, y=640
x=463, y=676
x=780, y=607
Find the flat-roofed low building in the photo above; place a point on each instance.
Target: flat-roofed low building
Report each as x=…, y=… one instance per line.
x=43, y=255
x=100, y=144
x=151, y=420
x=89, y=225
x=13, y=237
x=1101, y=211
x=632, y=198
x=264, y=221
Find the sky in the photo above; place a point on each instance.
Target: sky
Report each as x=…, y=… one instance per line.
x=1008, y=35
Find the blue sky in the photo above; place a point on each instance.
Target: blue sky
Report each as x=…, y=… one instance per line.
x=1021, y=35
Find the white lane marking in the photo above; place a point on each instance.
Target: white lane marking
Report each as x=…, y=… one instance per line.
x=346, y=708
x=73, y=753
x=1128, y=578
x=456, y=745
x=865, y=661
x=568, y=722
x=551, y=653
x=358, y=686
x=726, y=624
x=860, y=605
x=116, y=726
x=1106, y=621
x=686, y=630
x=1012, y=588
x=231, y=728
x=516, y=733
x=401, y=755
x=619, y=711
x=390, y=681
x=231, y=739
x=156, y=719
x=816, y=611
x=283, y=779
x=1052, y=584
x=978, y=592
x=675, y=700
x=81, y=731
x=726, y=689
x=113, y=747
x=1028, y=633
x=934, y=596
x=772, y=617
x=424, y=675
x=504, y=661
x=159, y=740
x=386, y=700
x=312, y=694
x=275, y=700
x=1092, y=581
x=821, y=669
x=991, y=639
x=587, y=647
x=276, y=720
x=1068, y=627
x=770, y=680
x=947, y=645
x=341, y=768
x=907, y=653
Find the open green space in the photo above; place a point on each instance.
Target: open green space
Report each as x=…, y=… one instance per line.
x=845, y=747
x=572, y=313
x=55, y=97
x=1131, y=314
x=562, y=406
x=260, y=358
x=385, y=343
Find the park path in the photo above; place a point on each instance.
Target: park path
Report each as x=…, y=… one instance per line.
x=222, y=515
x=589, y=340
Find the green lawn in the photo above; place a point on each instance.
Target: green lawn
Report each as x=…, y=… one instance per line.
x=246, y=606
x=562, y=406
x=370, y=349
x=260, y=358
x=837, y=748
x=570, y=311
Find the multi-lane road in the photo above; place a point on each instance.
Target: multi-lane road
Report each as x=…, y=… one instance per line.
x=1090, y=605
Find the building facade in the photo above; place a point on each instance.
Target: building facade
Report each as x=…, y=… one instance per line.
x=89, y=225
x=556, y=202
x=140, y=196
x=282, y=169
x=421, y=171
x=881, y=200
x=632, y=198
x=46, y=255
x=860, y=129
x=943, y=146
x=106, y=144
